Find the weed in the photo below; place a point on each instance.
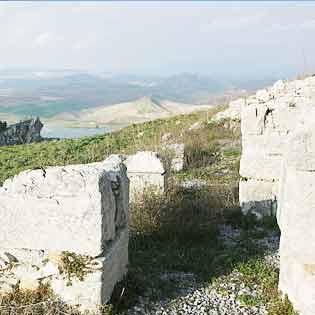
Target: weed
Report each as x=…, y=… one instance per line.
x=74, y=265
x=281, y=306
x=248, y=300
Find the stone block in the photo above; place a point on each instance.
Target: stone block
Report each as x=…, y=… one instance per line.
x=69, y=208
x=261, y=167
x=258, y=197
x=252, y=119
x=296, y=217
x=145, y=171
x=98, y=285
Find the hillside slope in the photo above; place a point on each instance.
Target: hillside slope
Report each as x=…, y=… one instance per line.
x=123, y=114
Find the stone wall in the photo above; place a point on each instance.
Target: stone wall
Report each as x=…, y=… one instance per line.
x=296, y=217
x=23, y=132
x=51, y=218
x=267, y=119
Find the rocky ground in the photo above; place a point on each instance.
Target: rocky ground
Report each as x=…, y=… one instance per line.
x=229, y=294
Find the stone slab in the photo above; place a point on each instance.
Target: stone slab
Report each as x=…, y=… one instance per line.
x=70, y=208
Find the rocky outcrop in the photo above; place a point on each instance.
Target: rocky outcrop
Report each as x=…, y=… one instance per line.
x=296, y=217
x=58, y=216
x=267, y=119
x=23, y=132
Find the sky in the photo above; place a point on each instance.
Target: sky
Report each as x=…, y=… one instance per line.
x=245, y=39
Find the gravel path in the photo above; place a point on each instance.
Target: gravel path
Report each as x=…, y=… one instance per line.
x=213, y=299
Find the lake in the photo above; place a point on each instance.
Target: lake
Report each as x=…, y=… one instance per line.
x=55, y=131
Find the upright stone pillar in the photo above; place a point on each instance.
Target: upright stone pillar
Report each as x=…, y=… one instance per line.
x=296, y=218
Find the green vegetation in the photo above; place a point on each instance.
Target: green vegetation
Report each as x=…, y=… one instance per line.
x=14, y=159
x=45, y=109
x=74, y=265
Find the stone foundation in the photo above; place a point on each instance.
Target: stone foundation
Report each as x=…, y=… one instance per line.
x=55, y=216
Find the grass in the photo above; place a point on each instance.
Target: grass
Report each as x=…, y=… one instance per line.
x=14, y=159
x=41, y=301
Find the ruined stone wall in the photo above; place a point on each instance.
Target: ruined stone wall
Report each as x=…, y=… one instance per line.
x=296, y=217
x=24, y=132
x=267, y=119
x=51, y=218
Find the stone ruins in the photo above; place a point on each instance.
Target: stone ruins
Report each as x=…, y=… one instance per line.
x=145, y=171
x=267, y=119
x=233, y=112
x=296, y=217
x=23, y=132
x=54, y=217
x=278, y=176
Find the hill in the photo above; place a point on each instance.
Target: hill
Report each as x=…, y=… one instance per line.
x=123, y=114
x=48, y=94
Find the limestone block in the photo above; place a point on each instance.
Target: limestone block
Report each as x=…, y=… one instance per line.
x=263, y=95
x=297, y=279
x=258, y=197
x=90, y=292
x=296, y=217
x=260, y=166
x=97, y=287
x=252, y=119
x=69, y=208
x=302, y=144
x=269, y=143
x=145, y=171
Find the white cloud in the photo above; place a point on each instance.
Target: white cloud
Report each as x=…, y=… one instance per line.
x=153, y=36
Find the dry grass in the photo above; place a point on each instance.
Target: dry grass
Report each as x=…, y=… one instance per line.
x=39, y=302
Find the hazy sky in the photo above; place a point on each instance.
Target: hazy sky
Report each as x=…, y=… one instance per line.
x=238, y=39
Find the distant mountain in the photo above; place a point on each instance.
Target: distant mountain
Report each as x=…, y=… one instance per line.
x=27, y=93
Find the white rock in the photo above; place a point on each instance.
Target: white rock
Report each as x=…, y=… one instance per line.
x=263, y=95
x=78, y=208
x=178, y=150
x=145, y=171
x=267, y=121
x=296, y=218
x=97, y=287
x=68, y=208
